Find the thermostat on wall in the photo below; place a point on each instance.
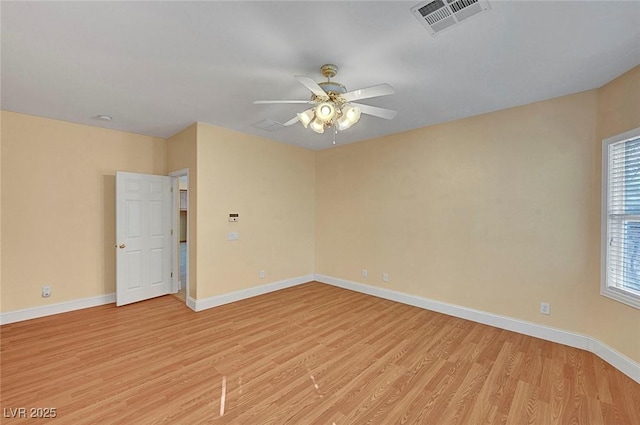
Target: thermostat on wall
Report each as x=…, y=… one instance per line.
x=233, y=217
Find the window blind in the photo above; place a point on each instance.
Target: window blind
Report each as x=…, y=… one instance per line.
x=623, y=215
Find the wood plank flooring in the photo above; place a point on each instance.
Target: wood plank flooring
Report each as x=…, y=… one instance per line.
x=311, y=354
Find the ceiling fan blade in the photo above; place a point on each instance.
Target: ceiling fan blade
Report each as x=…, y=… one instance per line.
x=265, y=102
x=375, y=111
x=366, y=93
x=292, y=121
x=311, y=85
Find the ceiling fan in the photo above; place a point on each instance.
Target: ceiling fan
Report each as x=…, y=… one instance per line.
x=333, y=106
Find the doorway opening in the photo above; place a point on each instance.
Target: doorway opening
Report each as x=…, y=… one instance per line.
x=181, y=233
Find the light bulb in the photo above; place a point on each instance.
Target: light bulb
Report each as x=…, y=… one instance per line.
x=325, y=111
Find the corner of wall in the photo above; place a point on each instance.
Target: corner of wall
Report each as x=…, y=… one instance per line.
x=182, y=154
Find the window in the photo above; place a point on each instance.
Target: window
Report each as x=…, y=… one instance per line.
x=621, y=218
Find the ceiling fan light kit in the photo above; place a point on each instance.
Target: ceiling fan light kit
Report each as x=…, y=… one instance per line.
x=333, y=107
x=350, y=116
x=305, y=117
x=317, y=126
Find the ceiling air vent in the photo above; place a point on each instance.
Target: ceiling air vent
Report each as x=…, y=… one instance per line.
x=268, y=125
x=438, y=15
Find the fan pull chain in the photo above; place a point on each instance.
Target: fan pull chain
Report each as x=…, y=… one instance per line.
x=335, y=131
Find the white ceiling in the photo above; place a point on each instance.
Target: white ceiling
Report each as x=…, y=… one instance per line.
x=157, y=67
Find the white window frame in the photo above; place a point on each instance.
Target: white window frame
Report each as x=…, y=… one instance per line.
x=618, y=294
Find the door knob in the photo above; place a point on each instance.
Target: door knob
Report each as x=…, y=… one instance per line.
x=122, y=246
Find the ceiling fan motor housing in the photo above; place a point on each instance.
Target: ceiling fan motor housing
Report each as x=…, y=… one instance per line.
x=332, y=87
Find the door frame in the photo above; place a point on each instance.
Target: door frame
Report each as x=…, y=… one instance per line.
x=175, y=238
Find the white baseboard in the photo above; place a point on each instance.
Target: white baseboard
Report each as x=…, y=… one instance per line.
x=231, y=297
x=48, y=310
x=191, y=303
x=618, y=360
x=624, y=364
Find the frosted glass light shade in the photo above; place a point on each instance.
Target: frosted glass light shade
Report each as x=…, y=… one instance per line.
x=317, y=126
x=350, y=116
x=352, y=113
x=305, y=117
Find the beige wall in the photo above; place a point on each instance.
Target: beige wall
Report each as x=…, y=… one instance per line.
x=496, y=212
x=620, y=104
x=59, y=220
x=181, y=154
x=0, y=212
x=271, y=186
x=58, y=206
x=611, y=322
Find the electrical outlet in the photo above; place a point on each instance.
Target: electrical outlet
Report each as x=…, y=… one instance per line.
x=545, y=308
x=385, y=277
x=261, y=274
x=365, y=273
x=46, y=291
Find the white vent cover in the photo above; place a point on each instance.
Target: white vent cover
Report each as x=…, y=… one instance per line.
x=268, y=125
x=438, y=15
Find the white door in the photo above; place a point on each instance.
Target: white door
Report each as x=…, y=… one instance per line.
x=143, y=237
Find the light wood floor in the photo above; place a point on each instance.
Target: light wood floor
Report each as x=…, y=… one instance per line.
x=312, y=354
x=181, y=295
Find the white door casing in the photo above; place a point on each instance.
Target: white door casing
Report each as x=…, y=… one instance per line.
x=176, y=175
x=175, y=237
x=143, y=237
